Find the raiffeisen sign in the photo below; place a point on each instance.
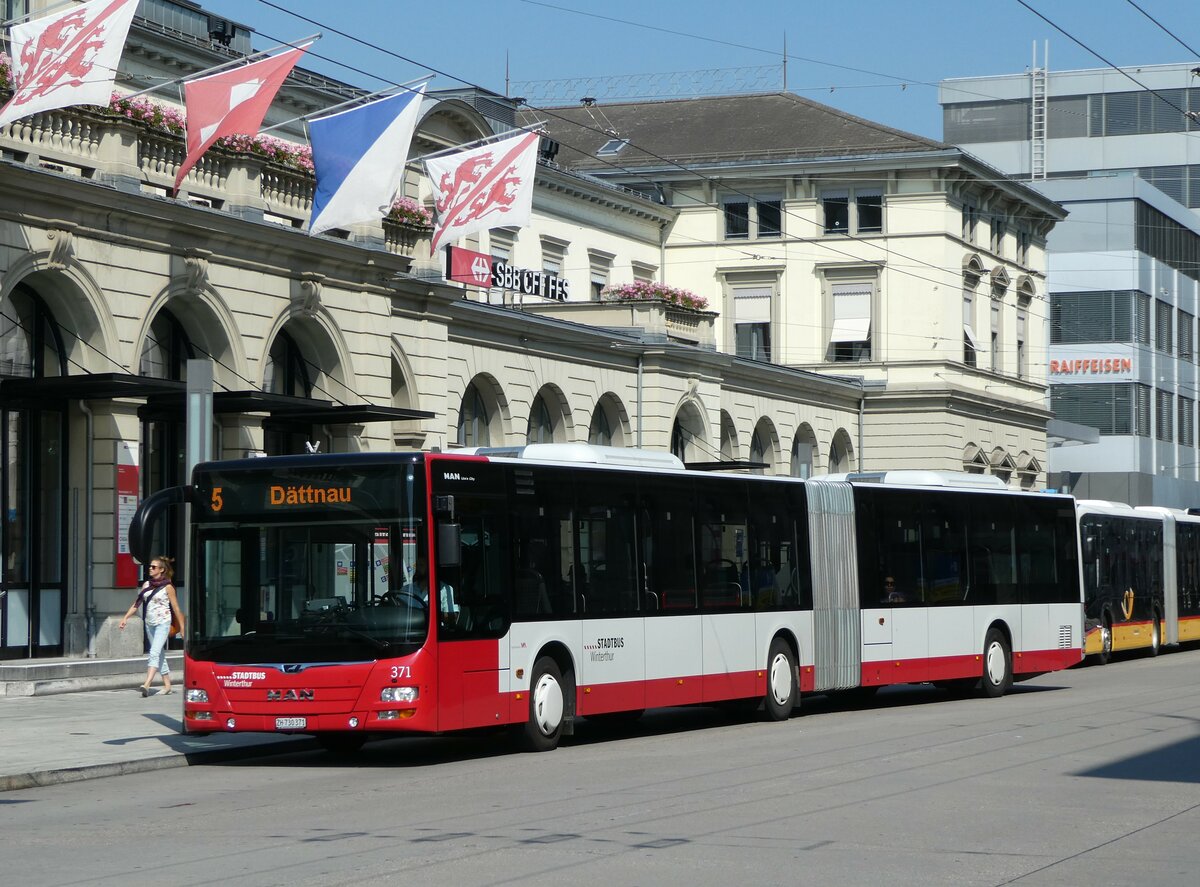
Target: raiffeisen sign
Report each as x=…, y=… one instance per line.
x=478, y=269
x=1091, y=366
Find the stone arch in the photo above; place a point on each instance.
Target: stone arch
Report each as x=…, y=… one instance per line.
x=764, y=446
x=557, y=414
x=609, y=424
x=78, y=306
x=325, y=351
x=841, y=452
x=211, y=328
x=405, y=395
x=689, y=432
x=470, y=427
x=805, y=452
x=729, y=438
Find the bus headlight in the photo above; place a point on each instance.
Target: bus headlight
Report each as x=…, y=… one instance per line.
x=196, y=696
x=399, y=694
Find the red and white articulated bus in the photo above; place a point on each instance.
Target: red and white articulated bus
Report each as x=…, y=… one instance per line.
x=574, y=581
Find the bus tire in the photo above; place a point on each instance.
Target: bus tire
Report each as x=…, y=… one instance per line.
x=547, y=707
x=1106, y=642
x=1155, y=634
x=997, y=664
x=782, y=686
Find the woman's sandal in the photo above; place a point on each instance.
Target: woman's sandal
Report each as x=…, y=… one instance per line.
x=145, y=690
x=167, y=692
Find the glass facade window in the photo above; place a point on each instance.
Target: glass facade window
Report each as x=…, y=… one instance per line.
x=1111, y=407
x=1101, y=316
x=1162, y=238
x=1183, y=334
x=1162, y=326
x=1164, y=414
x=1187, y=413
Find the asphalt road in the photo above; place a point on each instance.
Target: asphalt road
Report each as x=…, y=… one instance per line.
x=1087, y=777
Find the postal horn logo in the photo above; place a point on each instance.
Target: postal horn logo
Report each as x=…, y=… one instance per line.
x=1127, y=603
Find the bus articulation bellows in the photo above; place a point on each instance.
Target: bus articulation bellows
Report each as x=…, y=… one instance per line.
x=365, y=594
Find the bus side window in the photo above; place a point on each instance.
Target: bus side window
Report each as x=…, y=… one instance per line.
x=607, y=553
x=480, y=580
x=667, y=559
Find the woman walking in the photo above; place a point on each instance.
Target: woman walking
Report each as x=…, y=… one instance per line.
x=157, y=600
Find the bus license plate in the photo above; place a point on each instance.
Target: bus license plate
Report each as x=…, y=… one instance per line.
x=290, y=723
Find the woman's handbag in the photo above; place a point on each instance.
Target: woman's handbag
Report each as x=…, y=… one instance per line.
x=176, y=624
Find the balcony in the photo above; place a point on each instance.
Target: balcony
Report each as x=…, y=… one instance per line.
x=97, y=145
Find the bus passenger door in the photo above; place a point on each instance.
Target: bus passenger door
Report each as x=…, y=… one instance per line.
x=667, y=569
x=612, y=667
x=473, y=659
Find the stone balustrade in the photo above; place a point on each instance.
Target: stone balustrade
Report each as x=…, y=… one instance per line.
x=88, y=143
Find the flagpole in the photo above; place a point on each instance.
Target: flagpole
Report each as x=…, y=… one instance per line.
x=362, y=98
x=479, y=143
x=299, y=44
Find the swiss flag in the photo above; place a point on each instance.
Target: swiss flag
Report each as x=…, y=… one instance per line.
x=231, y=103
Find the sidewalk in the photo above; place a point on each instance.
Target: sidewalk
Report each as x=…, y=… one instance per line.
x=60, y=737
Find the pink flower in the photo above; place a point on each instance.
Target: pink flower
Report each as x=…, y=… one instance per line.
x=642, y=291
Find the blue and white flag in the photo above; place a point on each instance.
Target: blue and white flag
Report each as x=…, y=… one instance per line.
x=359, y=157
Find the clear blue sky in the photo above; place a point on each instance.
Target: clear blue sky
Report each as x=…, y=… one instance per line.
x=881, y=60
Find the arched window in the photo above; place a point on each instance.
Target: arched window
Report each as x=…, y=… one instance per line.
x=166, y=350
x=287, y=371
x=758, y=451
x=678, y=441
x=802, y=457
x=473, y=420
x=600, y=431
x=541, y=426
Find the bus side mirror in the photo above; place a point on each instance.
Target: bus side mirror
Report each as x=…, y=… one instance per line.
x=449, y=544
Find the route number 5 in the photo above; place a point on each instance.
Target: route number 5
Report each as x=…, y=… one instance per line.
x=217, y=502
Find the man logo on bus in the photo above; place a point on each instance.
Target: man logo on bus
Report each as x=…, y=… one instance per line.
x=290, y=695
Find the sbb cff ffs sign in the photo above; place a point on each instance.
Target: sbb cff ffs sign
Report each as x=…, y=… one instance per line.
x=477, y=269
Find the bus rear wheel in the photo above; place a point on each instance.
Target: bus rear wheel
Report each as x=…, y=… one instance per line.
x=997, y=664
x=781, y=693
x=547, y=707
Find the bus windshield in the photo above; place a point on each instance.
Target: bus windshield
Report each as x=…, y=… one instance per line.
x=316, y=582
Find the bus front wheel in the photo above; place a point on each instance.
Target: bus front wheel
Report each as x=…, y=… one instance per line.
x=1106, y=642
x=997, y=664
x=547, y=707
x=781, y=692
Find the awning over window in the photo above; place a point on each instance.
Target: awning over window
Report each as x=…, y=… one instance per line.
x=970, y=334
x=851, y=329
x=752, y=305
x=851, y=312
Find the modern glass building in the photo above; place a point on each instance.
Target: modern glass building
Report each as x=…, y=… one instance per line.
x=1122, y=269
